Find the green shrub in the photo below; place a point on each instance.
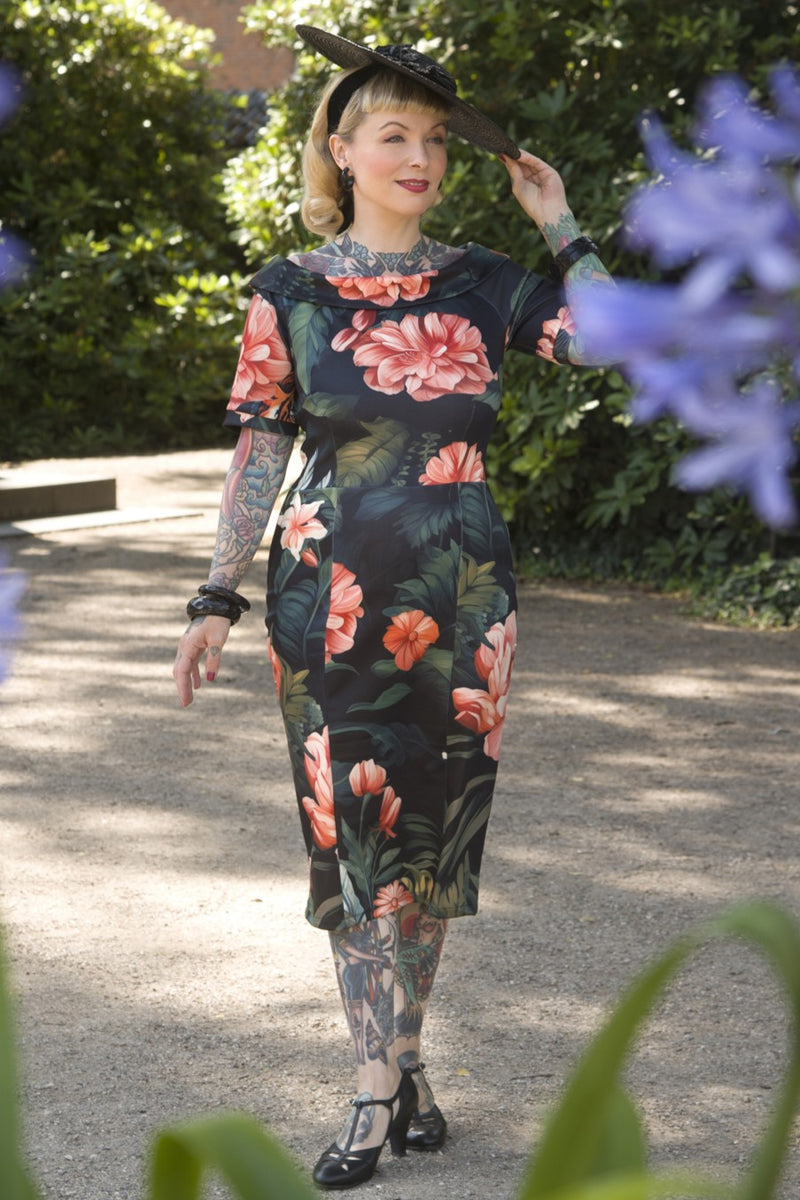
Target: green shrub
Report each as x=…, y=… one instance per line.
x=122, y=337
x=765, y=593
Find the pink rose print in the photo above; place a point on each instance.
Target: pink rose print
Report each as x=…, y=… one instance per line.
x=352, y=336
x=345, y=608
x=382, y=289
x=299, y=522
x=485, y=711
x=550, y=330
x=263, y=358
x=439, y=354
x=456, y=463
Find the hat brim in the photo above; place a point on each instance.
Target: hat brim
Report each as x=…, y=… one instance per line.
x=465, y=120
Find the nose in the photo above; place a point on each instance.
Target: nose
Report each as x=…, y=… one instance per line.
x=418, y=154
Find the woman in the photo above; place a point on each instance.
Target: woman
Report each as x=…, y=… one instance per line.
x=391, y=601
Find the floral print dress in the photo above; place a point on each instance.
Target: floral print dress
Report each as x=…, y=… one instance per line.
x=391, y=599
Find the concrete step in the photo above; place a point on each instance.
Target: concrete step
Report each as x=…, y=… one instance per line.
x=24, y=496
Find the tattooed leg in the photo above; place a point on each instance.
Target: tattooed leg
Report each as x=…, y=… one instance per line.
x=418, y=952
x=365, y=959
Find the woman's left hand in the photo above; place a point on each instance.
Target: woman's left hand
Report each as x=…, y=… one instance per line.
x=537, y=187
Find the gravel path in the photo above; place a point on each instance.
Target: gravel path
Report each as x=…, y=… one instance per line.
x=153, y=876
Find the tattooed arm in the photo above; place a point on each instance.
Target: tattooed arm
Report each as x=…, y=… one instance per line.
x=251, y=488
x=540, y=192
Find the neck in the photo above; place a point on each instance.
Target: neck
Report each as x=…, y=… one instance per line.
x=386, y=237
x=383, y=261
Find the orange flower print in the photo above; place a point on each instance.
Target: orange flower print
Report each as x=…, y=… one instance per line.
x=546, y=345
x=319, y=808
x=309, y=557
x=409, y=636
x=390, y=811
x=367, y=778
x=390, y=898
x=436, y=355
x=299, y=522
x=382, y=289
x=362, y=320
x=263, y=357
x=456, y=463
x=485, y=711
x=345, y=608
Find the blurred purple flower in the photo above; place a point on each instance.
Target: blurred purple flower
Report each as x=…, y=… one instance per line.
x=752, y=449
x=738, y=216
x=730, y=122
x=14, y=257
x=12, y=585
x=700, y=351
x=10, y=90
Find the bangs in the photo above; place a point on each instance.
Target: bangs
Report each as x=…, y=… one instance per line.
x=391, y=90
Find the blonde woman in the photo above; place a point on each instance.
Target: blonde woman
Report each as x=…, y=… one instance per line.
x=391, y=600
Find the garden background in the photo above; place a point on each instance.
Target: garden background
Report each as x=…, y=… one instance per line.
x=147, y=198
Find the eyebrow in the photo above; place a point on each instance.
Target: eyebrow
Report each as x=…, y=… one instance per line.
x=436, y=125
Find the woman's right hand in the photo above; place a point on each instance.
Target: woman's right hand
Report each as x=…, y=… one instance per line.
x=204, y=637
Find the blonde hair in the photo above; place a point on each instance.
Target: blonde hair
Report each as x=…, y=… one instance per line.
x=323, y=209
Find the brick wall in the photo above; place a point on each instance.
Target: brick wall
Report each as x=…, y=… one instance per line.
x=246, y=64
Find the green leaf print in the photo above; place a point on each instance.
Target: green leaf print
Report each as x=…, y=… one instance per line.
x=420, y=523
x=385, y=667
x=465, y=817
x=292, y=620
x=433, y=590
x=299, y=706
x=308, y=330
x=376, y=505
x=392, y=695
x=481, y=601
x=372, y=460
x=322, y=404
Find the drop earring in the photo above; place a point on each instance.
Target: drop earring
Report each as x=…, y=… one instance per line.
x=346, y=179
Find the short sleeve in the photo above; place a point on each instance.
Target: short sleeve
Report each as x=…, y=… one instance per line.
x=541, y=322
x=263, y=390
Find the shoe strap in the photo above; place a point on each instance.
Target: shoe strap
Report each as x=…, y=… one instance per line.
x=359, y=1104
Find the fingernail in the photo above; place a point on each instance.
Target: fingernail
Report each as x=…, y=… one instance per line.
x=211, y=676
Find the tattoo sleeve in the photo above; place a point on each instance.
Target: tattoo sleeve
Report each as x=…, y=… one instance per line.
x=586, y=272
x=251, y=488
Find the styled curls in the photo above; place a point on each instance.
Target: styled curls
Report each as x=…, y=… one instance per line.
x=324, y=209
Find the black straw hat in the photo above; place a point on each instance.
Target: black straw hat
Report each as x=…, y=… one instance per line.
x=464, y=120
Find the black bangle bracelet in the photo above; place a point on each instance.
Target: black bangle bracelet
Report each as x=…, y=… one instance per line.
x=571, y=254
x=212, y=589
x=213, y=606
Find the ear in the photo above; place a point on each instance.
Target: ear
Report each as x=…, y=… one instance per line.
x=338, y=149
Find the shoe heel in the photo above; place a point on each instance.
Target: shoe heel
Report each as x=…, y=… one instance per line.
x=398, y=1128
x=397, y=1141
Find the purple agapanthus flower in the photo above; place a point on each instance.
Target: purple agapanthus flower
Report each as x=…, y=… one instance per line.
x=10, y=90
x=12, y=585
x=729, y=122
x=709, y=350
x=751, y=448
x=732, y=212
x=14, y=257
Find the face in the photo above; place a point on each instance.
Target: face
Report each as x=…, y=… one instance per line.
x=398, y=159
